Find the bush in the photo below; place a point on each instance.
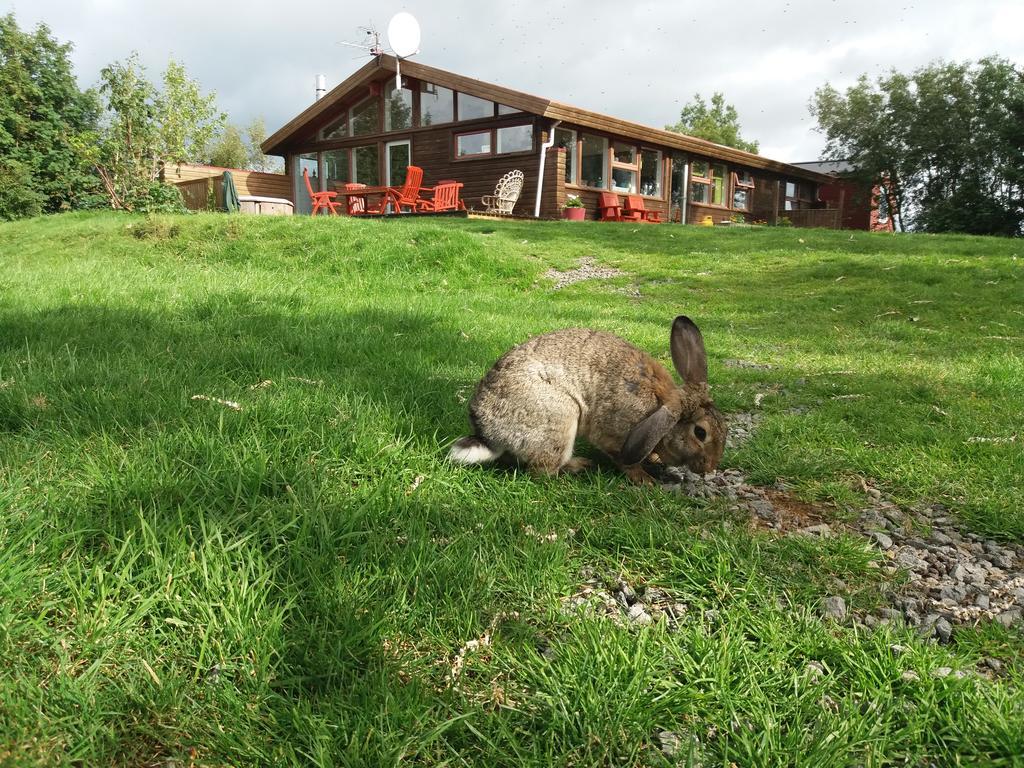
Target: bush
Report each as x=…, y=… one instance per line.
x=159, y=198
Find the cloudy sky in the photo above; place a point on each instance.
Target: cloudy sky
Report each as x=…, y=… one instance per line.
x=641, y=61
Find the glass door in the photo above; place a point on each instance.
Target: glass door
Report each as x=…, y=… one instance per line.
x=309, y=162
x=677, y=199
x=398, y=156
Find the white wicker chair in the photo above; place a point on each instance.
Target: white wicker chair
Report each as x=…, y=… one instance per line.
x=505, y=194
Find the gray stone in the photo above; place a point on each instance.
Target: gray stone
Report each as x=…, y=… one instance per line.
x=942, y=672
x=638, y=615
x=834, y=607
x=627, y=593
x=910, y=676
x=823, y=530
x=994, y=664
x=943, y=630
x=982, y=602
x=670, y=743
x=882, y=540
x=1008, y=618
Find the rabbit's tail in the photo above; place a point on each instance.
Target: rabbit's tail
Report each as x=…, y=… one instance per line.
x=472, y=450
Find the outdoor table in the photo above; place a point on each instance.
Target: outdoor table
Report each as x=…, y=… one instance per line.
x=389, y=194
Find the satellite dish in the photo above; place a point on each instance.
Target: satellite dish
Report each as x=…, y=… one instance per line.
x=404, y=34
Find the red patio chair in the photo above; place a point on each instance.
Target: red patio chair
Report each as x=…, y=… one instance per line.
x=446, y=198
x=356, y=203
x=408, y=195
x=320, y=200
x=609, y=207
x=635, y=210
x=462, y=205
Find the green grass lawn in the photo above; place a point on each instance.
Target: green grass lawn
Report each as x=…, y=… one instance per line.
x=292, y=582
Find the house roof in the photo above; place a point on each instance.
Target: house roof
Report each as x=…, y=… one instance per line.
x=828, y=166
x=278, y=142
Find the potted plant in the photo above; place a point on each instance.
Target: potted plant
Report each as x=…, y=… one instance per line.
x=572, y=209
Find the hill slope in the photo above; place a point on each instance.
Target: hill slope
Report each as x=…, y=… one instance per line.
x=227, y=526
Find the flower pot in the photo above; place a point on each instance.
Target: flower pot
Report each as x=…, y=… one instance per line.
x=574, y=214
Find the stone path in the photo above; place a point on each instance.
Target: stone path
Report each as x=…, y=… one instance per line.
x=588, y=269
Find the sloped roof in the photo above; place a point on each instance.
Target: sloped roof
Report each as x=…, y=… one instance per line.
x=828, y=166
x=277, y=142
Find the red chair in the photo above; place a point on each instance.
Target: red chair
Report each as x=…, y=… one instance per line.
x=356, y=204
x=462, y=205
x=609, y=207
x=407, y=195
x=320, y=200
x=635, y=211
x=446, y=198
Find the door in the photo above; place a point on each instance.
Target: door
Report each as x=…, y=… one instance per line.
x=309, y=162
x=397, y=156
x=677, y=198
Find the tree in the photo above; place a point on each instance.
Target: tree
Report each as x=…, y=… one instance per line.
x=256, y=132
x=146, y=129
x=230, y=150
x=187, y=120
x=945, y=139
x=717, y=122
x=43, y=118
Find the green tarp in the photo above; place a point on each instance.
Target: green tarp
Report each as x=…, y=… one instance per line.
x=230, y=193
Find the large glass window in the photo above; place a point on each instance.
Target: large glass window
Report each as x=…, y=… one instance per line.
x=743, y=189
x=593, y=160
x=717, y=184
x=514, y=138
x=624, y=167
x=470, y=107
x=437, y=104
x=397, y=108
x=337, y=129
x=624, y=153
x=310, y=162
x=468, y=144
x=366, y=165
x=700, y=182
x=365, y=118
x=336, y=167
x=566, y=139
x=650, y=172
x=507, y=110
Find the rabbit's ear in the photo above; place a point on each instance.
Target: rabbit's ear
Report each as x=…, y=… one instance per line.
x=644, y=436
x=688, y=355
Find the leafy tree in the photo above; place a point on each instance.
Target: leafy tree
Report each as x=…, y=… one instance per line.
x=256, y=132
x=230, y=150
x=946, y=139
x=715, y=121
x=187, y=120
x=146, y=129
x=43, y=118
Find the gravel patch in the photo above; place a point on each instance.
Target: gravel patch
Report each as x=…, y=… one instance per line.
x=951, y=577
x=588, y=269
x=624, y=603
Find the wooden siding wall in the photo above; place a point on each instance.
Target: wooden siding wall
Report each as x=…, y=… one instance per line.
x=246, y=182
x=433, y=151
x=554, y=193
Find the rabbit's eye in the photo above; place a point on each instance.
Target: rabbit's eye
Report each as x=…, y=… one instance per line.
x=700, y=433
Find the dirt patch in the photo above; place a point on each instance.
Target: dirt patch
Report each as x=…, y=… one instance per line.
x=588, y=269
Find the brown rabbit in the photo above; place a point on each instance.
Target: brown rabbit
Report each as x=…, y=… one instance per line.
x=542, y=395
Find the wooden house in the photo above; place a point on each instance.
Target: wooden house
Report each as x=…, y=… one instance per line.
x=368, y=130
x=865, y=205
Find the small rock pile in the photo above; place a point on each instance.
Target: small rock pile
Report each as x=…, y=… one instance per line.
x=588, y=269
x=624, y=603
x=952, y=576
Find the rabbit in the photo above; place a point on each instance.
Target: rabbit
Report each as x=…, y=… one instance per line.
x=540, y=396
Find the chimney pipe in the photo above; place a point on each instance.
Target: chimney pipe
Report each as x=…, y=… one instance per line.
x=321, y=86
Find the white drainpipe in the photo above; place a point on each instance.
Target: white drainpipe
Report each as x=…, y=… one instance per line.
x=543, y=156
